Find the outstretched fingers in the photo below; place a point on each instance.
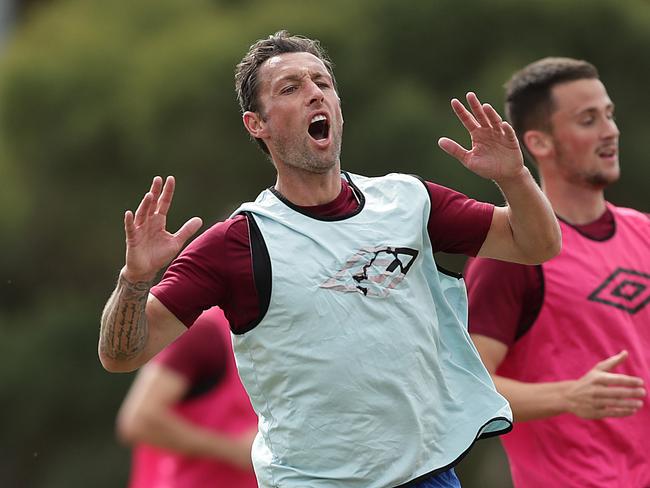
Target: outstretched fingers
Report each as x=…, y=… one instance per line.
x=617, y=395
x=614, y=379
x=618, y=412
x=614, y=401
x=510, y=132
x=157, y=200
x=493, y=117
x=478, y=110
x=129, y=224
x=144, y=209
x=621, y=401
x=165, y=199
x=465, y=117
x=156, y=188
x=620, y=390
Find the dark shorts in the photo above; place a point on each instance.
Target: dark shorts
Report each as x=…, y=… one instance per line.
x=446, y=479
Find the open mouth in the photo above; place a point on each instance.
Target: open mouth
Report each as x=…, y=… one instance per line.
x=607, y=152
x=319, y=127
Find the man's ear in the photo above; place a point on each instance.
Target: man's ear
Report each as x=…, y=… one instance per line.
x=539, y=144
x=254, y=124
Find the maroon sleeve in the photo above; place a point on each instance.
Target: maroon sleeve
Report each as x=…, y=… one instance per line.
x=200, y=352
x=457, y=224
x=504, y=298
x=215, y=269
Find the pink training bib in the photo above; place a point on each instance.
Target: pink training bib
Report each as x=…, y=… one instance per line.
x=596, y=303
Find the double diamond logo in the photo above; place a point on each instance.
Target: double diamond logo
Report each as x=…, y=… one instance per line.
x=624, y=289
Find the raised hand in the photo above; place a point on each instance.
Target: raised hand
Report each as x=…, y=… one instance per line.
x=600, y=393
x=495, y=152
x=149, y=246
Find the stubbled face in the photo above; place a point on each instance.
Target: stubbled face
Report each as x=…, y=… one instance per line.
x=584, y=133
x=300, y=113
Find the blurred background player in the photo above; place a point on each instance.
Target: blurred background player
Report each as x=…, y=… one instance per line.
x=568, y=341
x=188, y=416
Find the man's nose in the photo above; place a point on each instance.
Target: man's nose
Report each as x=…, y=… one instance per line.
x=316, y=95
x=610, y=129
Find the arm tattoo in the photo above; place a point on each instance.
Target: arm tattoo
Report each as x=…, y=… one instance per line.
x=123, y=332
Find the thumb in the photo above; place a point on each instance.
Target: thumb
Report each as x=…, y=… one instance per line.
x=612, y=361
x=188, y=229
x=452, y=148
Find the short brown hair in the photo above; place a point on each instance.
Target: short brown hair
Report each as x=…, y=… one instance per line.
x=246, y=80
x=529, y=104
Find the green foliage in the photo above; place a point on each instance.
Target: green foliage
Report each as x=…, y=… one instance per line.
x=97, y=97
x=57, y=400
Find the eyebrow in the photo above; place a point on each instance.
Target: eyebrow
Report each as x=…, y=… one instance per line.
x=314, y=75
x=609, y=106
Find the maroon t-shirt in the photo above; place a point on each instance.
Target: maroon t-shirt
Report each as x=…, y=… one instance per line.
x=217, y=267
x=505, y=298
x=200, y=355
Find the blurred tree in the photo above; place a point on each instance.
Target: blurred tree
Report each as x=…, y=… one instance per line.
x=97, y=97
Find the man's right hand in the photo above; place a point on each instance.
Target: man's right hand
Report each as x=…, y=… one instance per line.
x=601, y=393
x=149, y=246
x=134, y=324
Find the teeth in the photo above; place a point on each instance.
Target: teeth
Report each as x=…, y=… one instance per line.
x=317, y=118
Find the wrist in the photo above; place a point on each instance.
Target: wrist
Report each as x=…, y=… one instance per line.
x=136, y=278
x=565, y=404
x=517, y=178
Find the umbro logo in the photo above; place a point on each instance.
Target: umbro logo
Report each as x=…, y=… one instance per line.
x=373, y=271
x=624, y=289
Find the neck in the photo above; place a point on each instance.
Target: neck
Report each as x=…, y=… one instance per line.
x=576, y=204
x=307, y=189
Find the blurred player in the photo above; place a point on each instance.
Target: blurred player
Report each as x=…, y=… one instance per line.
x=187, y=415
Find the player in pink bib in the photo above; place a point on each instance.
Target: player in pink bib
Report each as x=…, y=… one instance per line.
x=188, y=415
x=568, y=341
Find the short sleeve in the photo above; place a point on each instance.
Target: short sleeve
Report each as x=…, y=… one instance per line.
x=457, y=224
x=200, y=352
x=214, y=270
x=504, y=298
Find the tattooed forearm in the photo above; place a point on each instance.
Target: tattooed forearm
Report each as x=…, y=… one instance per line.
x=123, y=330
